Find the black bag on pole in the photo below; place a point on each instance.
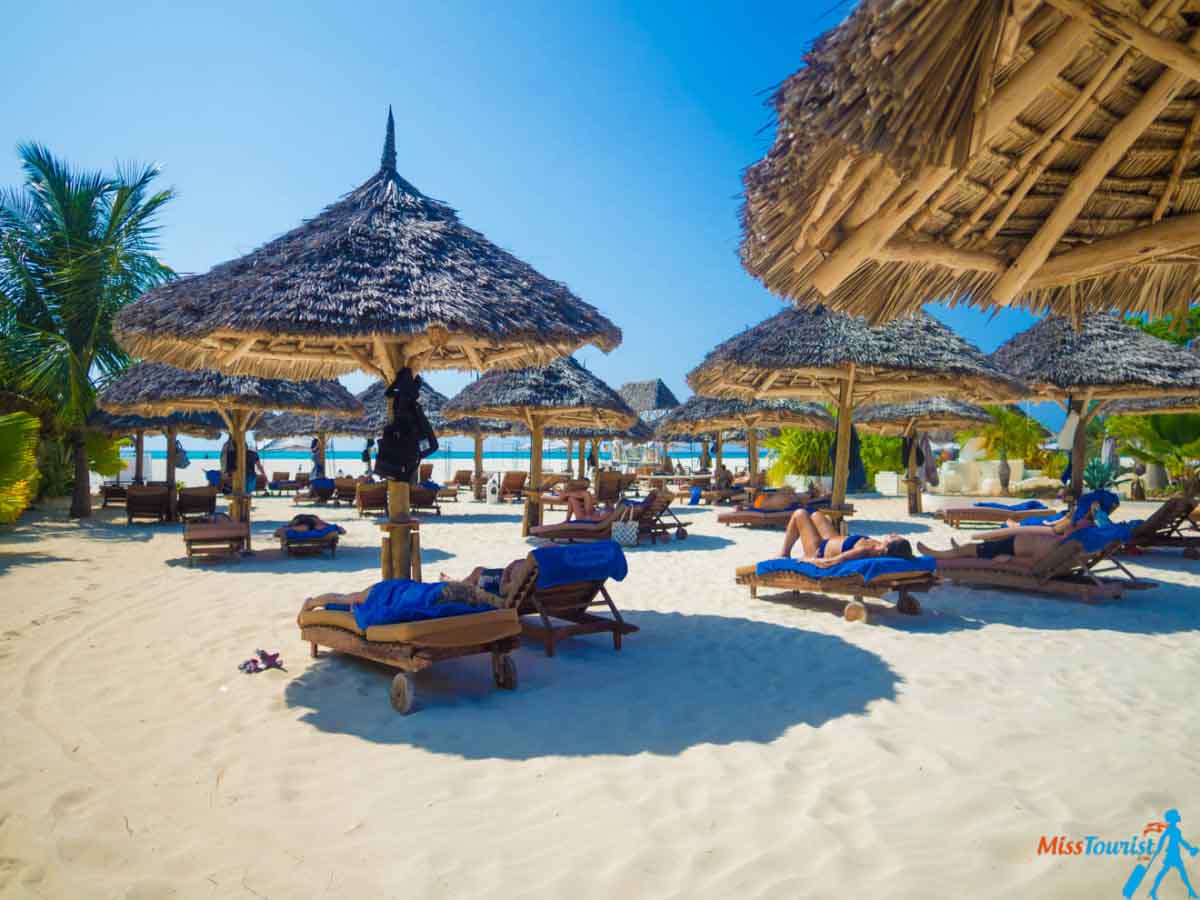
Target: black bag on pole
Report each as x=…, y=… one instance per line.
x=409, y=437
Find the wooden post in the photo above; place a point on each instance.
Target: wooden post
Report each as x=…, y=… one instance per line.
x=1079, y=447
x=172, y=493
x=321, y=439
x=582, y=449
x=533, y=496
x=139, y=448
x=478, y=480
x=570, y=447
x=912, y=482
x=841, y=465
x=720, y=447
x=239, y=471
x=752, y=449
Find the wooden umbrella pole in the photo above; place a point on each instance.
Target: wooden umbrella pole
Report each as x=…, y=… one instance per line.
x=570, y=447
x=911, y=481
x=720, y=447
x=752, y=450
x=1079, y=447
x=841, y=465
x=533, y=501
x=478, y=480
x=139, y=447
x=172, y=493
x=400, y=542
x=582, y=449
x=322, y=438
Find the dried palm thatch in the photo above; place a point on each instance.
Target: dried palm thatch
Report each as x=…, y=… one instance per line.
x=383, y=278
x=638, y=433
x=562, y=394
x=193, y=424
x=989, y=152
x=703, y=415
x=818, y=355
x=927, y=414
x=156, y=389
x=648, y=396
x=1105, y=359
x=376, y=415
x=1153, y=406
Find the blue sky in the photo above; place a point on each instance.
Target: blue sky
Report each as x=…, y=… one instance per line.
x=603, y=143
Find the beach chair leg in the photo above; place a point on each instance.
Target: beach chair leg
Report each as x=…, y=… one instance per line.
x=908, y=604
x=504, y=671
x=754, y=590
x=312, y=650
x=855, y=611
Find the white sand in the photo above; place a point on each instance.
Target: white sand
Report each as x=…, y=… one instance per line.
x=734, y=748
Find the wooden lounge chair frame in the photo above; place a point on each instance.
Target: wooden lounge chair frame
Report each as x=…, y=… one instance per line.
x=207, y=541
x=570, y=603
x=905, y=584
x=308, y=546
x=371, y=498
x=1172, y=526
x=196, y=503
x=778, y=518
x=654, y=508
x=344, y=490
x=462, y=479
x=425, y=472
x=986, y=515
x=650, y=514
x=429, y=642
x=424, y=499
x=314, y=496
x=113, y=493
x=1068, y=571
x=147, y=502
x=512, y=486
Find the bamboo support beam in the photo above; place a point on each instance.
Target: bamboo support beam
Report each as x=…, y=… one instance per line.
x=533, y=502
x=582, y=450
x=172, y=493
x=1091, y=173
x=934, y=253
x=478, y=479
x=1177, y=166
x=1141, y=245
x=139, y=448
x=752, y=451
x=1181, y=59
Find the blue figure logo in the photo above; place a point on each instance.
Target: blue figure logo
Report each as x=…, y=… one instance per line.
x=1170, y=845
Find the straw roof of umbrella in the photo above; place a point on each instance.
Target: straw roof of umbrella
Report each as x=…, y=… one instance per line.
x=639, y=433
x=376, y=415
x=156, y=389
x=562, y=393
x=1157, y=406
x=706, y=414
x=812, y=353
x=382, y=278
x=1029, y=153
x=193, y=424
x=1105, y=358
x=926, y=414
x=648, y=396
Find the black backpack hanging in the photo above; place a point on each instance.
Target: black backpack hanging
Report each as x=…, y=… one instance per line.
x=409, y=437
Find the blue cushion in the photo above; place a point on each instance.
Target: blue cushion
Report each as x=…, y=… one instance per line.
x=314, y=535
x=1095, y=539
x=321, y=484
x=1013, y=507
x=400, y=600
x=1047, y=519
x=571, y=563
x=870, y=568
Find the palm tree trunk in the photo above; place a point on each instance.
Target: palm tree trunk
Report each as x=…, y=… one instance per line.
x=81, y=499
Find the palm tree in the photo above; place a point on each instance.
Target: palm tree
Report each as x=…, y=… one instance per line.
x=1010, y=432
x=75, y=247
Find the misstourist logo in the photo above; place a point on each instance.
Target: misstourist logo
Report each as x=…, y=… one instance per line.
x=1159, y=847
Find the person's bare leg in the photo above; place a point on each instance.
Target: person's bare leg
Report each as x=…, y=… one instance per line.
x=967, y=552
x=825, y=528
x=800, y=528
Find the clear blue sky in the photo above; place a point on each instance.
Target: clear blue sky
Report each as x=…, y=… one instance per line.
x=604, y=143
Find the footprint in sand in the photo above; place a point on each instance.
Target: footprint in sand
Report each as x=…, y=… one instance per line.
x=71, y=803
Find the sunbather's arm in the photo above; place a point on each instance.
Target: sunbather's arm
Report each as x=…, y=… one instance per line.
x=350, y=599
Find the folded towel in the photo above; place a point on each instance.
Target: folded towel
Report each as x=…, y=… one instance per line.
x=1107, y=500
x=315, y=535
x=695, y=496
x=398, y=600
x=580, y=562
x=1012, y=507
x=431, y=485
x=869, y=569
x=1095, y=539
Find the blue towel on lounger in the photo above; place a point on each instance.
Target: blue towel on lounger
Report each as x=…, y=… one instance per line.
x=695, y=496
x=1095, y=539
x=1048, y=519
x=1012, y=507
x=314, y=535
x=870, y=568
x=398, y=600
x=321, y=484
x=570, y=563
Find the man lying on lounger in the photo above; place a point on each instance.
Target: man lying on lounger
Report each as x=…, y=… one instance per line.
x=1028, y=542
x=825, y=547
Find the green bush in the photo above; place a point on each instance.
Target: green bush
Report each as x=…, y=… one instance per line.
x=18, y=464
x=881, y=454
x=104, y=453
x=799, y=452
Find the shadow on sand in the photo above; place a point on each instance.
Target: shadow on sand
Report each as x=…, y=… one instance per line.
x=679, y=682
x=268, y=557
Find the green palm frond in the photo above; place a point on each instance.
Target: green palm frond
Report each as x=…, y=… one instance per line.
x=18, y=464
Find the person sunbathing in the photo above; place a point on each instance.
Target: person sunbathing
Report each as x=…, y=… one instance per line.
x=768, y=501
x=825, y=547
x=452, y=592
x=581, y=503
x=306, y=522
x=494, y=581
x=1002, y=545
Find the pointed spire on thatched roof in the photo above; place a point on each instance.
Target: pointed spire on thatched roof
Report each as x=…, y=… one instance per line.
x=648, y=396
x=384, y=277
x=388, y=162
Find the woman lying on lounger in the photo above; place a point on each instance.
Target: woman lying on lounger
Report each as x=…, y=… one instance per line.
x=825, y=547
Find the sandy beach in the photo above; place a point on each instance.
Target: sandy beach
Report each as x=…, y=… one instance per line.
x=733, y=748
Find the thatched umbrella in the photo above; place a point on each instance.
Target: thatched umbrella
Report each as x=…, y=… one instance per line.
x=649, y=399
x=907, y=420
x=195, y=424
x=1104, y=359
x=156, y=389
x=822, y=355
x=713, y=414
x=563, y=394
x=985, y=152
x=386, y=278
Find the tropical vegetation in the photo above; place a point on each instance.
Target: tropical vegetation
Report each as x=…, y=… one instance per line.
x=18, y=463
x=75, y=247
x=797, y=452
x=1011, y=433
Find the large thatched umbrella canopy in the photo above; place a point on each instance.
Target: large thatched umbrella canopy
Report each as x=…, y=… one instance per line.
x=700, y=415
x=562, y=394
x=156, y=389
x=1160, y=406
x=909, y=419
x=992, y=153
x=649, y=399
x=822, y=355
x=1103, y=360
x=195, y=424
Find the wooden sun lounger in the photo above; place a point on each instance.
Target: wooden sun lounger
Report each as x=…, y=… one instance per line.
x=315, y=494
x=570, y=603
x=113, y=493
x=344, y=490
x=986, y=515
x=905, y=584
x=372, y=498
x=650, y=518
x=553, y=500
x=147, y=502
x=1068, y=571
x=569, y=532
x=1171, y=526
x=307, y=546
x=462, y=479
x=512, y=486
x=196, y=503
x=425, y=472
x=778, y=518
x=424, y=499
x=212, y=540
x=413, y=646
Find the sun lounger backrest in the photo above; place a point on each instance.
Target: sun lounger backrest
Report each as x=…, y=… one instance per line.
x=654, y=505
x=1067, y=557
x=1166, y=519
x=280, y=476
x=520, y=592
x=462, y=477
x=146, y=499
x=302, y=477
x=513, y=481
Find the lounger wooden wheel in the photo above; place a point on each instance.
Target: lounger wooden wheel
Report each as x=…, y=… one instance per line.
x=855, y=611
x=401, y=693
x=504, y=671
x=681, y=534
